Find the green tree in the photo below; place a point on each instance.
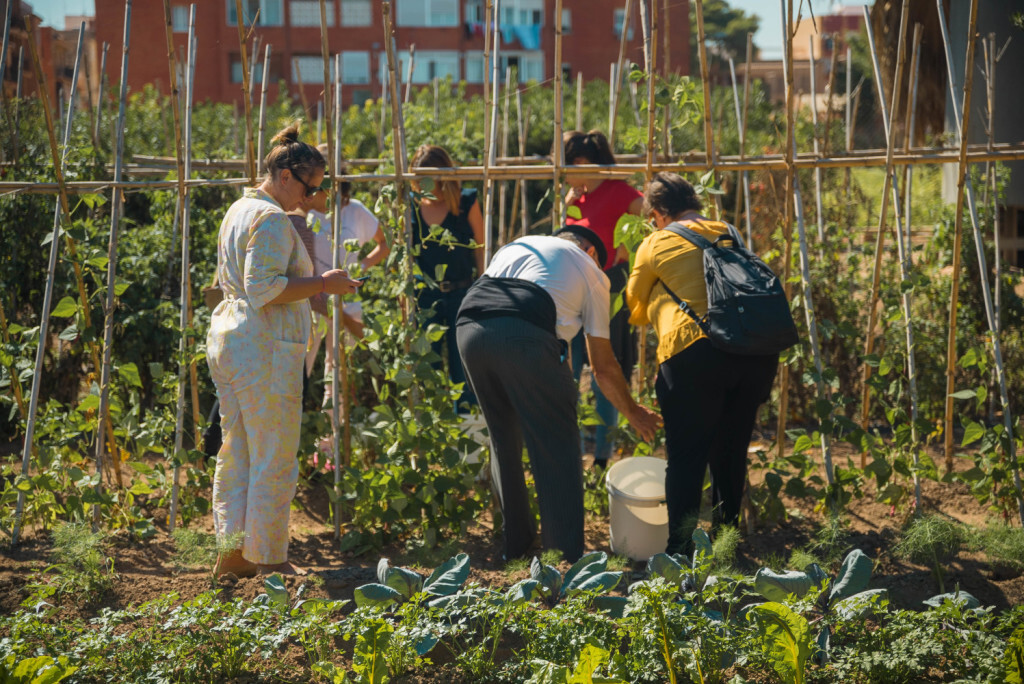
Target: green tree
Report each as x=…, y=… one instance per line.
x=725, y=30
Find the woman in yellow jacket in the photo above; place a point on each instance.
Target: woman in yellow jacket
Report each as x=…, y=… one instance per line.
x=708, y=397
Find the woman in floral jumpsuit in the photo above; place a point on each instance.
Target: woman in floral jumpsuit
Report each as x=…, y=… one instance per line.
x=255, y=349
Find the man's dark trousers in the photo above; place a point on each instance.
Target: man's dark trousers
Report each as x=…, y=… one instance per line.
x=527, y=394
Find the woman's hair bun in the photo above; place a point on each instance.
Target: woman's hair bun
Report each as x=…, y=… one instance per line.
x=288, y=135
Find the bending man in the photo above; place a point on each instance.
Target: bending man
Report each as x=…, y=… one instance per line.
x=512, y=330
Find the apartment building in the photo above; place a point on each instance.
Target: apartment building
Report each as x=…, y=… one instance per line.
x=448, y=36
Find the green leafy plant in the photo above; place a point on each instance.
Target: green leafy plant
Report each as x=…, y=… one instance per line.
x=786, y=639
x=933, y=540
x=80, y=566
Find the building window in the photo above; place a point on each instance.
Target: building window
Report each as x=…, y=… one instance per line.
x=428, y=13
x=355, y=67
x=266, y=12
x=309, y=69
x=307, y=13
x=236, y=71
x=427, y=65
x=356, y=13
x=566, y=22
x=179, y=18
x=474, y=10
x=617, y=22
x=529, y=66
x=522, y=12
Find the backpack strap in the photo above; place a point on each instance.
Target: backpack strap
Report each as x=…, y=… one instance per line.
x=701, y=322
x=696, y=239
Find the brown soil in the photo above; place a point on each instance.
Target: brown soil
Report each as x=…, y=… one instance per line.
x=145, y=570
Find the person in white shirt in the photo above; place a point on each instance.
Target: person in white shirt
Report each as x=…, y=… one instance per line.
x=359, y=226
x=513, y=330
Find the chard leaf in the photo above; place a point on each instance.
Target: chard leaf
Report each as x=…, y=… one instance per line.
x=449, y=577
x=602, y=581
x=701, y=546
x=965, y=600
x=853, y=576
x=664, y=566
x=860, y=605
x=777, y=586
x=375, y=594
x=276, y=590
x=786, y=639
x=523, y=591
x=548, y=576
x=589, y=564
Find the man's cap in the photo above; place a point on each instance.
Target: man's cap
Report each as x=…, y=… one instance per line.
x=588, y=235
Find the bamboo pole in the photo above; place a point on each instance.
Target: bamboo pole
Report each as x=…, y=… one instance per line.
x=521, y=123
x=339, y=374
x=787, y=18
x=743, y=179
x=409, y=73
x=260, y=169
x=250, y=152
x=397, y=123
x=58, y=212
x=908, y=141
x=1003, y=152
x=876, y=273
x=611, y=101
x=702, y=53
x=17, y=104
x=743, y=139
x=830, y=88
x=437, y=100
x=817, y=150
x=954, y=297
x=888, y=121
x=102, y=94
x=627, y=10
x=256, y=41
x=646, y=29
x=8, y=14
x=384, y=104
x=961, y=114
x=185, y=315
x=579, y=101
x=666, y=34
x=558, y=148
x=491, y=142
x=504, y=230
x=488, y=18
x=850, y=116
x=117, y=205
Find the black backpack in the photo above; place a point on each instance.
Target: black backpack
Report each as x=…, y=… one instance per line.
x=748, y=313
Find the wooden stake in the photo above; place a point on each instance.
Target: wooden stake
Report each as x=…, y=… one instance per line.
x=888, y=121
x=787, y=18
x=619, y=66
x=961, y=113
x=579, y=101
x=504, y=230
x=524, y=206
x=250, y=152
x=409, y=72
x=117, y=205
x=558, y=147
x=491, y=144
x=817, y=151
x=908, y=141
x=263, y=110
x=702, y=53
x=185, y=315
x=646, y=23
x=17, y=105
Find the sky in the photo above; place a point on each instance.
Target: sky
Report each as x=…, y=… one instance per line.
x=768, y=37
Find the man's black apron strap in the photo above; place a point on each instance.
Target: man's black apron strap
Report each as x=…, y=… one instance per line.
x=498, y=297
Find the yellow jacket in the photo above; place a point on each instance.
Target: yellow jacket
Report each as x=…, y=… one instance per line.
x=664, y=257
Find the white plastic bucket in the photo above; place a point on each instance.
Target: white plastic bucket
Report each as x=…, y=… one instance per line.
x=638, y=516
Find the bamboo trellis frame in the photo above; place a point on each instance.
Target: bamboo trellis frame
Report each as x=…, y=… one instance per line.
x=520, y=169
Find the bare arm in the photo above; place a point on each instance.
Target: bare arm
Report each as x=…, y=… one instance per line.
x=379, y=253
x=331, y=282
x=476, y=222
x=609, y=378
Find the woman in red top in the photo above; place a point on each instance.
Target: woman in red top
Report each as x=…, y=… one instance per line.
x=601, y=203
